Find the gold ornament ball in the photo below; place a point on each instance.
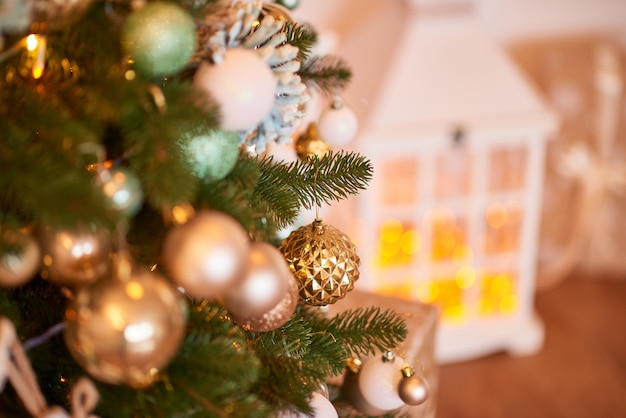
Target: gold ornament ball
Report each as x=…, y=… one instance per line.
x=124, y=331
x=207, y=255
x=413, y=390
x=323, y=260
x=275, y=317
x=311, y=145
x=264, y=283
x=58, y=13
x=77, y=256
x=17, y=268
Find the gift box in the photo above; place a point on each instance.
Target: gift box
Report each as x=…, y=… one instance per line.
x=418, y=349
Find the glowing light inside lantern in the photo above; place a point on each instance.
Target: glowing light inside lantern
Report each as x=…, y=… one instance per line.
x=448, y=234
x=398, y=243
x=497, y=295
x=502, y=228
x=448, y=295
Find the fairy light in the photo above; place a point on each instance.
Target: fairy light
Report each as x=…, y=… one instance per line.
x=465, y=277
x=31, y=42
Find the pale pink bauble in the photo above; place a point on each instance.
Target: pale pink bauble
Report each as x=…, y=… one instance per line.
x=265, y=283
x=275, y=317
x=378, y=383
x=207, y=255
x=337, y=127
x=243, y=85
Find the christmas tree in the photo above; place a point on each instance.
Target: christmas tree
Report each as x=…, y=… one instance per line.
x=140, y=217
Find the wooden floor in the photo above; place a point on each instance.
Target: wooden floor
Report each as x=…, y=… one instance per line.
x=580, y=372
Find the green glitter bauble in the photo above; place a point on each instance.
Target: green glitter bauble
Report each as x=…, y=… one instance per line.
x=211, y=156
x=160, y=38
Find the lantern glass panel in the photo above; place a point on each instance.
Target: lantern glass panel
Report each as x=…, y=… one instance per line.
x=507, y=168
x=453, y=177
x=399, y=182
x=503, y=227
x=448, y=236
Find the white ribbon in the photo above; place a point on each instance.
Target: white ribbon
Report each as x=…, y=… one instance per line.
x=16, y=369
x=598, y=179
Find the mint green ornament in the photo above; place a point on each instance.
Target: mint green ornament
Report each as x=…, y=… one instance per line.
x=160, y=38
x=289, y=4
x=211, y=155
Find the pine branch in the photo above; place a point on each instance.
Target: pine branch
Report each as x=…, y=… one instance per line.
x=303, y=37
x=315, y=181
x=328, y=74
x=366, y=330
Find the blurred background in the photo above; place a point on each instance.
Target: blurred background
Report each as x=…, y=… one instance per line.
x=497, y=129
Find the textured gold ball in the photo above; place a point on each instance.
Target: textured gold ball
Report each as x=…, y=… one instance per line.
x=125, y=331
x=324, y=262
x=310, y=145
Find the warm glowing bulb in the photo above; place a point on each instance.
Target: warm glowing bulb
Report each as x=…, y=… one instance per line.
x=497, y=216
x=465, y=277
x=411, y=242
x=31, y=42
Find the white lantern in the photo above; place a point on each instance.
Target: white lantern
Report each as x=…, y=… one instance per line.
x=457, y=139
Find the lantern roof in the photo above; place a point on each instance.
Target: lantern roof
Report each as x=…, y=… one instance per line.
x=447, y=73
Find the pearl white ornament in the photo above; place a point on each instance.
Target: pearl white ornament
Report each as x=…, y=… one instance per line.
x=337, y=125
x=264, y=285
x=321, y=406
x=206, y=256
x=378, y=382
x=243, y=85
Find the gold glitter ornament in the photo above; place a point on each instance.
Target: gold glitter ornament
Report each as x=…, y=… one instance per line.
x=126, y=328
x=323, y=260
x=55, y=14
x=311, y=145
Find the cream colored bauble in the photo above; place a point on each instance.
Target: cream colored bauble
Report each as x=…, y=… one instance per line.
x=243, y=86
x=207, y=256
x=264, y=285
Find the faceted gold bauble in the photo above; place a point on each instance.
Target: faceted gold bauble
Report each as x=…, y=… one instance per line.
x=323, y=260
x=124, y=331
x=311, y=145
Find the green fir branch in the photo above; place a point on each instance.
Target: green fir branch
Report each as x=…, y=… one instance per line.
x=329, y=74
x=366, y=330
x=302, y=36
x=316, y=181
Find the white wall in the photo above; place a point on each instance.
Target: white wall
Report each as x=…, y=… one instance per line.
x=508, y=20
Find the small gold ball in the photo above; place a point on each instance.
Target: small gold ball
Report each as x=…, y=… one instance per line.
x=413, y=390
x=311, y=145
